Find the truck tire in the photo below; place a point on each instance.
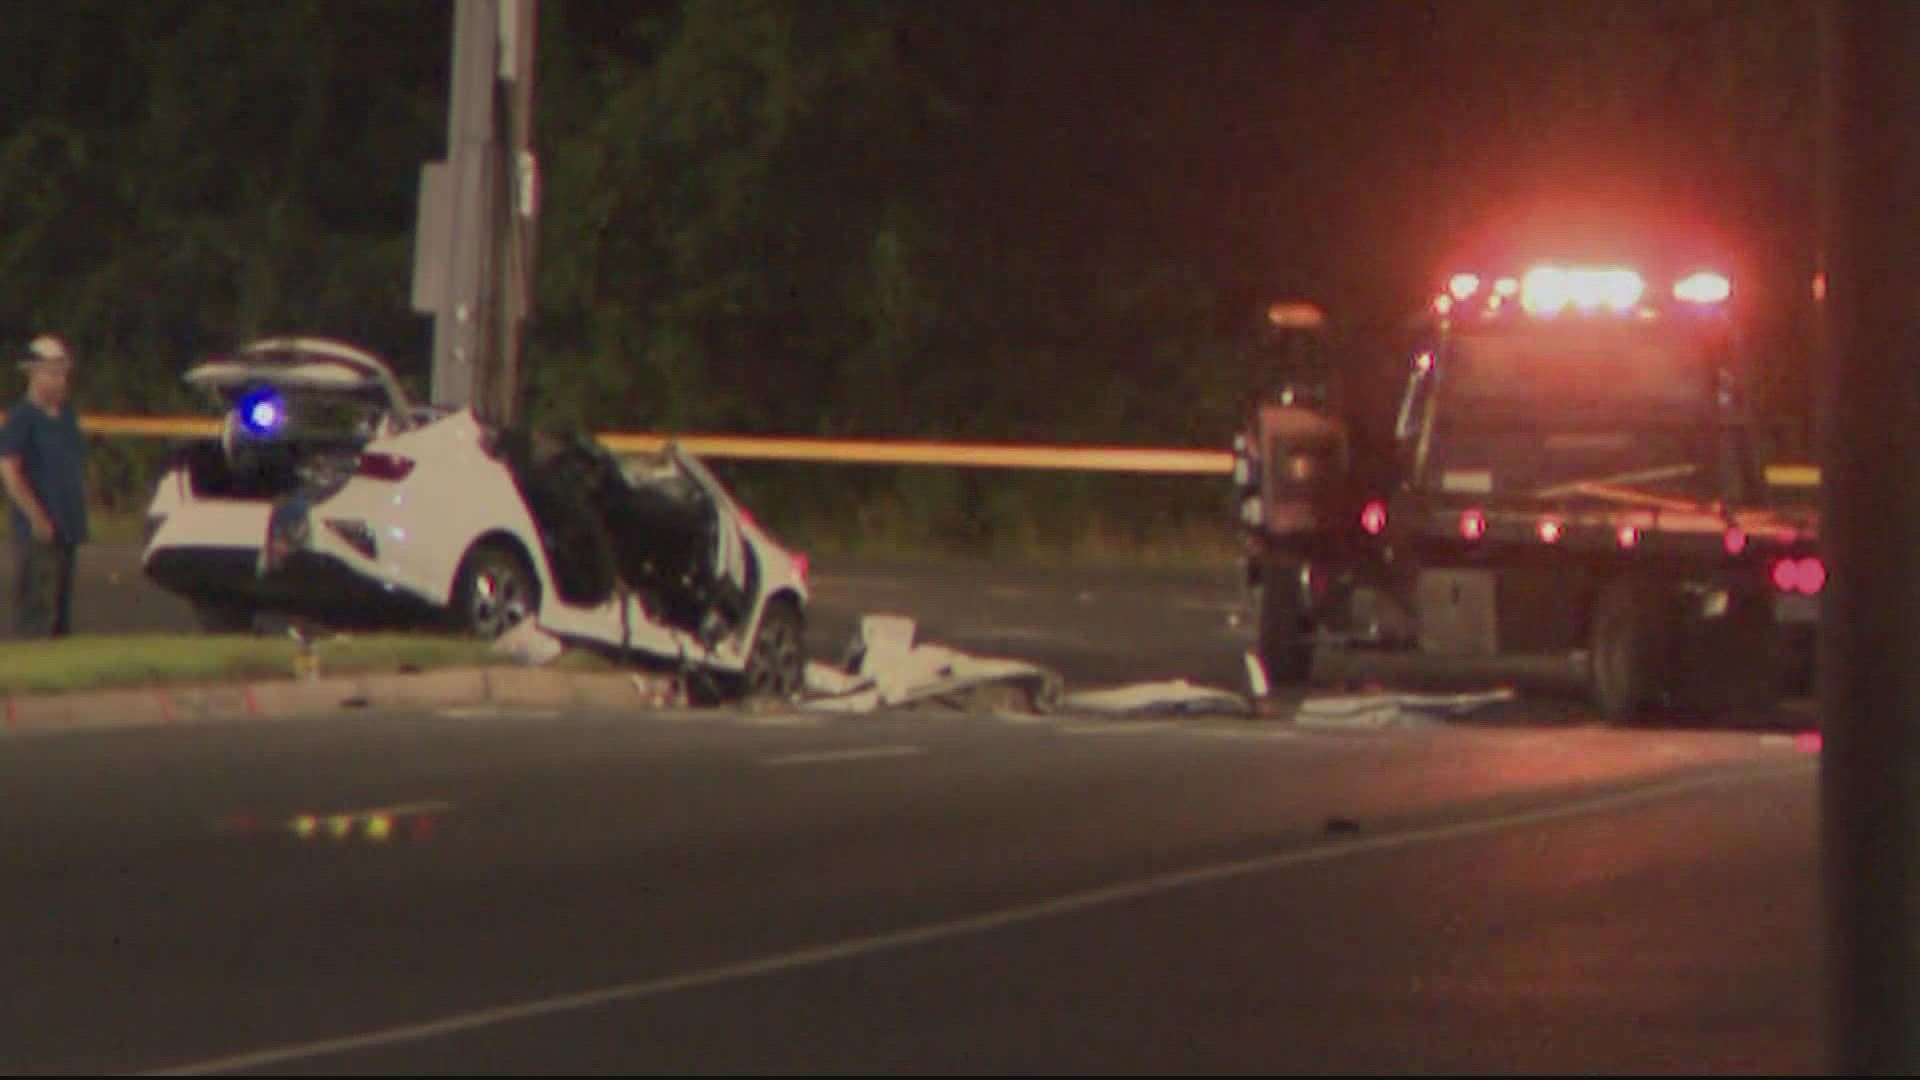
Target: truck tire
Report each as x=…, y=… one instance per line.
x=1630, y=640
x=1286, y=645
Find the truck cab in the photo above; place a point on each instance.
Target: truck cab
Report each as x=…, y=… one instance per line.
x=1573, y=477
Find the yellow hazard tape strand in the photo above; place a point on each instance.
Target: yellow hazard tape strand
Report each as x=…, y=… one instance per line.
x=1123, y=459
x=831, y=451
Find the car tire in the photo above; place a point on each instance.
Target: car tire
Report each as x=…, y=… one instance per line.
x=494, y=591
x=777, y=661
x=1286, y=647
x=1628, y=647
x=222, y=617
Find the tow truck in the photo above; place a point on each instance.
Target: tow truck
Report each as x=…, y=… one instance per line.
x=1572, y=476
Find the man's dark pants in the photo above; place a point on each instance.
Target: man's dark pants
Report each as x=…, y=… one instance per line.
x=42, y=589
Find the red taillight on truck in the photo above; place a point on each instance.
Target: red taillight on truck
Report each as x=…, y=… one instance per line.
x=1805, y=576
x=1373, y=518
x=1473, y=525
x=389, y=467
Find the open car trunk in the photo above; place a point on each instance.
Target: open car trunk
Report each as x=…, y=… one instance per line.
x=298, y=412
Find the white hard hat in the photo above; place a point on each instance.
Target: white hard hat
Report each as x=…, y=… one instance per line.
x=47, y=348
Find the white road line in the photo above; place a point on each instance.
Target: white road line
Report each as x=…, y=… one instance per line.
x=1017, y=633
x=1118, y=727
x=853, y=581
x=497, y=712
x=828, y=757
x=1276, y=733
x=782, y=720
x=1069, y=904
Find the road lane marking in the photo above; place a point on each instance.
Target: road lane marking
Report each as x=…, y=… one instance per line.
x=987, y=922
x=496, y=712
x=828, y=757
x=1278, y=734
x=1117, y=727
x=1018, y=633
x=828, y=582
x=782, y=720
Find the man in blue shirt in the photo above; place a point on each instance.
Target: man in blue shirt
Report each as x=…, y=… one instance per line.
x=43, y=469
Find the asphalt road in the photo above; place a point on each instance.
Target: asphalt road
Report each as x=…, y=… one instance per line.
x=933, y=892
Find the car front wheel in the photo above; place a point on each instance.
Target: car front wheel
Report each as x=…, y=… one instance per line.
x=777, y=665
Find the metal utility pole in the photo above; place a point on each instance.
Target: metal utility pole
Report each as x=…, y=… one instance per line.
x=1870, y=622
x=473, y=254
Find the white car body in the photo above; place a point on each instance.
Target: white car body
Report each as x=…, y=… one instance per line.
x=429, y=488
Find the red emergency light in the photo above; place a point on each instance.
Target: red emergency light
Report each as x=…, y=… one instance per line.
x=1551, y=289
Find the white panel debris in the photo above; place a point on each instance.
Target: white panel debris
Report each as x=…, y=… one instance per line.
x=1385, y=709
x=1173, y=695
x=886, y=667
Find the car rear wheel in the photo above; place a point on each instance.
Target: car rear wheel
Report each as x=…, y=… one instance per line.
x=777, y=664
x=495, y=592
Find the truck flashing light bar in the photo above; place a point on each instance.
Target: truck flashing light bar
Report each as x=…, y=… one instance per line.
x=1549, y=290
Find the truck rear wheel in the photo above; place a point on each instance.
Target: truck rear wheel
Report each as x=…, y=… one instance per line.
x=1630, y=642
x=1286, y=644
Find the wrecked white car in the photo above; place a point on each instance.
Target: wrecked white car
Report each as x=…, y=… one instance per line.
x=329, y=497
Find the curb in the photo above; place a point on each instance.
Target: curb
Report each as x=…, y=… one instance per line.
x=281, y=699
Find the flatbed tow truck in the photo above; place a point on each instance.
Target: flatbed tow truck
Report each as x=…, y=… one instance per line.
x=1572, y=476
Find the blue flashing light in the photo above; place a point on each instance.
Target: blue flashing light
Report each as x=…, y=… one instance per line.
x=262, y=412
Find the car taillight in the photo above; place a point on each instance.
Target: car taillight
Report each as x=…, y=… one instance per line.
x=1373, y=518
x=1735, y=540
x=1550, y=530
x=1629, y=536
x=389, y=467
x=1806, y=576
x=802, y=566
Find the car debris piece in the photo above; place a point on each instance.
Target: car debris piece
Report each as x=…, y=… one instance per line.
x=1172, y=695
x=888, y=668
x=1386, y=709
